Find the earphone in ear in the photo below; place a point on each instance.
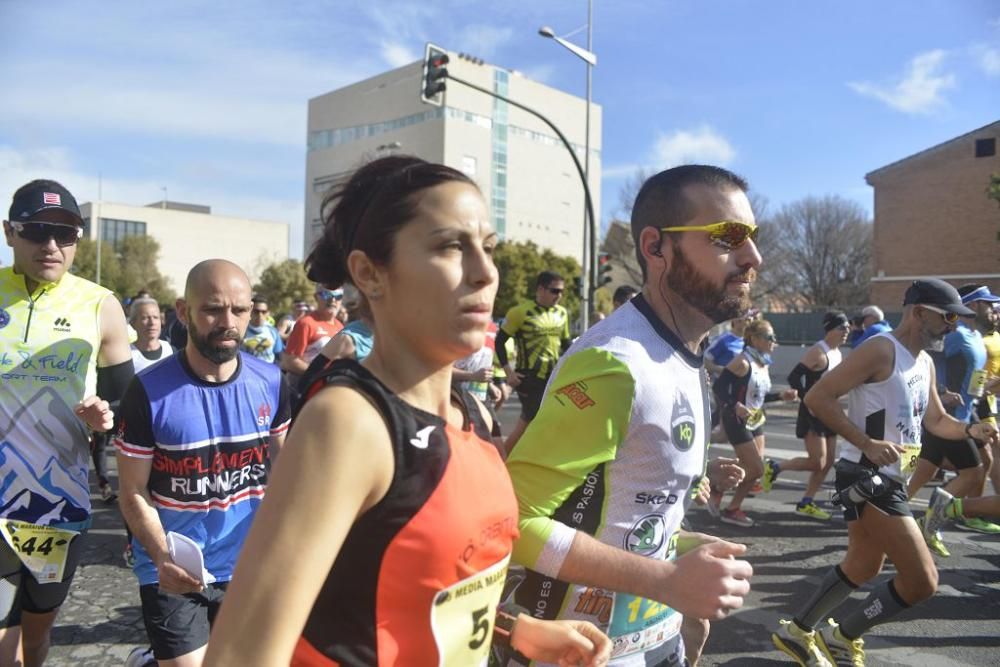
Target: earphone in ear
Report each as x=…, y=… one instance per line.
x=657, y=252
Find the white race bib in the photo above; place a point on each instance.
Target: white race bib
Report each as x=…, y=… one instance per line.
x=463, y=614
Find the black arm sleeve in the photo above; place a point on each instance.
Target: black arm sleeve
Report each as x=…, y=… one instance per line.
x=796, y=379
x=112, y=381
x=724, y=387
x=501, y=346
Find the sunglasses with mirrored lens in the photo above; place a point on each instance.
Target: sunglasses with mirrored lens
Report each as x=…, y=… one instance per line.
x=41, y=232
x=770, y=338
x=950, y=318
x=727, y=234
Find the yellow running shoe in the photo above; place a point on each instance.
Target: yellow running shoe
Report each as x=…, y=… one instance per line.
x=933, y=540
x=799, y=644
x=812, y=510
x=841, y=651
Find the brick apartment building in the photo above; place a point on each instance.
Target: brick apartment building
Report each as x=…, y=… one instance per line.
x=933, y=218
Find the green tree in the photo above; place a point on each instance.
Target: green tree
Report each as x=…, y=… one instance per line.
x=126, y=267
x=282, y=284
x=519, y=264
x=993, y=190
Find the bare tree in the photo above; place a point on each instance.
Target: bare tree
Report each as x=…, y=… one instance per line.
x=630, y=190
x=821, y=250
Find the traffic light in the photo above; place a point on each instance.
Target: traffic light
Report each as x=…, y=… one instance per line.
x=435, y=72
x=603, y=269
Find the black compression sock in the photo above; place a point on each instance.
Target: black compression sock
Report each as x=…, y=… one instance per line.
x=834, y=589
x=883, y=603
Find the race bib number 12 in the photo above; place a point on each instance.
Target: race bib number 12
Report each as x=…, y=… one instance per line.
x=42, y=549
x=463, y=614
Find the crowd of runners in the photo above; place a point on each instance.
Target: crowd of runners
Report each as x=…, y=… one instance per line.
x=333, y=487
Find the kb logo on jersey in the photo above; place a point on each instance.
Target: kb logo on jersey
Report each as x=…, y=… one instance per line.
x=682, y=428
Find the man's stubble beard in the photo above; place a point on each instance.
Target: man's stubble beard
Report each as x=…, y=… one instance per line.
x=206, y=348
x=699, y=293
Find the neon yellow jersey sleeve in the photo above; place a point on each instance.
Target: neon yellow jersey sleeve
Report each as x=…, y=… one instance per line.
x=514, y=318
x=583, y=419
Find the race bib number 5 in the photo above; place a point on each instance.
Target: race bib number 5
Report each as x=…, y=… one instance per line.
x=463, y=614
x=42, y=549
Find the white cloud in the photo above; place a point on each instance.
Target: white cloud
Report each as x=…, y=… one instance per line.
x=919, y=90
x=540, y=73
x=988, y=58
x=483, y=41
x=701, y=145
x=397, y=55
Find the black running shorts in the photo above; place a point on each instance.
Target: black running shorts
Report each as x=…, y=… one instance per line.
x=20, y=592
x=892, y=503
x=736, y=429
x=807, y=422
x=179, y=624
x=530, y=391
x=962, y=453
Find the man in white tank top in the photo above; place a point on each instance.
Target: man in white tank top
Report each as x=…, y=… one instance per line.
x=891, y=389
x=820, y=440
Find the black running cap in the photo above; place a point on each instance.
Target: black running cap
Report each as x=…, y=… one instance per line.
x=45, y=201
x=937, y=293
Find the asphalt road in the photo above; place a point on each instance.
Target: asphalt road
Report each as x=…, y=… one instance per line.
x=960, y=626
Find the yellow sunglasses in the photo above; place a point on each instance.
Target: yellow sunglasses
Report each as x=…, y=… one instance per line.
x=727, y=234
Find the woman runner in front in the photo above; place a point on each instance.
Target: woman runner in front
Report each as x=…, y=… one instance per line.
x=742, y=390
x=386, y=532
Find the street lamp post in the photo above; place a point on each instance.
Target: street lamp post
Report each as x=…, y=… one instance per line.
x=589, y=263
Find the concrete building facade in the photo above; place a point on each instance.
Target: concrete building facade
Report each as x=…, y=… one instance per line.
x=933, y=218
x=525, y=172
x=188, y=234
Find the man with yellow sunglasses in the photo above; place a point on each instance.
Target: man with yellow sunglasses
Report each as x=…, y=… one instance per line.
x=604, y=471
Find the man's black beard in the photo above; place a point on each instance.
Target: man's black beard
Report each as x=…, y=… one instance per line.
x=713, y=302
x=206, y=347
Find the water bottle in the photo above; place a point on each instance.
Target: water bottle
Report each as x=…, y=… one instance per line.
x=861, y=491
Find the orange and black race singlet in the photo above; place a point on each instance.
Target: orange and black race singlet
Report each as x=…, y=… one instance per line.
x=419, y=576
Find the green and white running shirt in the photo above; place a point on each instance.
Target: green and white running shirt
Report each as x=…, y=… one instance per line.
x=619, y=439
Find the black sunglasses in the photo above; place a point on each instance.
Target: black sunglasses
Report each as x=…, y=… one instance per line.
x=41, y=232
x=555, y=290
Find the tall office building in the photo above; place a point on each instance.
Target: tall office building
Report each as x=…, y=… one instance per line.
x=526, y=174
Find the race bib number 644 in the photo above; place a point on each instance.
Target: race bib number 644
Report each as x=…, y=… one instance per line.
x=42, y=549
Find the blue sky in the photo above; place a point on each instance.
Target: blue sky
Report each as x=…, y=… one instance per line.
x=208, y=99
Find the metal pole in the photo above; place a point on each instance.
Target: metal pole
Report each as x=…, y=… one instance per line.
x=590, y=259
x=97, y=230
x=589, y=290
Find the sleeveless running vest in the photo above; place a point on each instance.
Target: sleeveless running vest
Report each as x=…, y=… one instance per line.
x=893, y=409
x=806, y=420
x=419, y=576
x=49, y=342
x=620, y=437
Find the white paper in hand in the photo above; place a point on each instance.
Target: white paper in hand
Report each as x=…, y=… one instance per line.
x=187, y=555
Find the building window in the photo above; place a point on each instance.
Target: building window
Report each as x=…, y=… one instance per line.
x=115, y=231
x=986, y=147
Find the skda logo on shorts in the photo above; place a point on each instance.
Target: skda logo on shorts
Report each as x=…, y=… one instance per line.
x=682, y=427
x=646, y=536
